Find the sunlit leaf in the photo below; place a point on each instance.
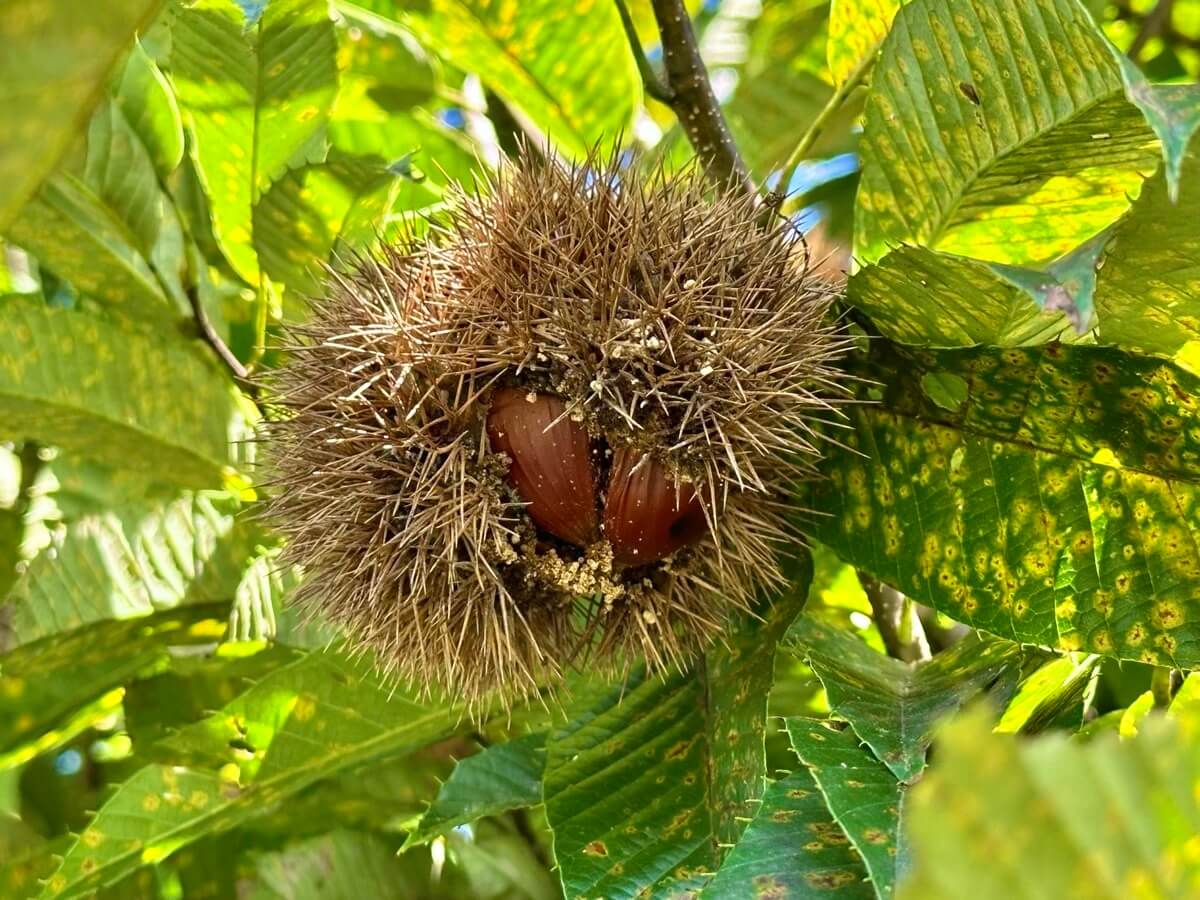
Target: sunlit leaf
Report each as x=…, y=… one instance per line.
x=56, y=59
x=856, y=32
x=1056, y=505
x=115, y=393
x=255, y=91
x=148, y=104
x=997, y=131
x=131, y=562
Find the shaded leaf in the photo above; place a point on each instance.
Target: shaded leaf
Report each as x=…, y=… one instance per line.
x=255, y=92
x=792, y=848
x=494, y=780
x=998, y=131
x=115, y=393
x=1055, y=506
x=72, y=232
x=892, y=705
x=918, y=296
x=1101, y=818
x=341, y=864
x=652, y=774
x=866, y=800
x=44, y=685
x=56, y=59
x=305, y=721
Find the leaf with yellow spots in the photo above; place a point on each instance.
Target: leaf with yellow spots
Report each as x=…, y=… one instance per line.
x=792, y=848
x=1148, y=292
x=856, y=32
x=313, y=718
x=1002, y=819
x=134, y=398
x=892, y=705
x=255, y=93
x=866, y=800
x=997, y=131
x=52, y=73
x=1057, y=505
x=673, y=763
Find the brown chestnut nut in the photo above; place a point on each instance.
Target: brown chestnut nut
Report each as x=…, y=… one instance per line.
x=551, y=464
x=647, y=514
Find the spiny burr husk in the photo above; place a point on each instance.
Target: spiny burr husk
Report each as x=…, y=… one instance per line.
x=561, y=429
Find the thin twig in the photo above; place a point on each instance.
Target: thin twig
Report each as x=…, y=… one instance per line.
x=691, y=96
x=896, y=618
x=1162, y=686
x=654, y=86
x=817, y=128
x=210, y=336
x=1152, y=26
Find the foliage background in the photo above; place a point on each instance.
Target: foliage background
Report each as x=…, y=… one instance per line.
x=1019, y=186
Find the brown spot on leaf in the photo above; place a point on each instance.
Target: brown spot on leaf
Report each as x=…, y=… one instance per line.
x=596, y=848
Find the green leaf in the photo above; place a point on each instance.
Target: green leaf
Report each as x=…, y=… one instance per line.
x=1098, y=819
x=998, y=131
x=919, y=296
x=260, y=592
x=309, y=720
x=132, y=562
x=866, y=800
x=1056, y=506
x=115, y=393
x=1052, y=694
x=673, y=763
x=792, y=848
x=1148, y=291
x=782, y=86
x=892, y=705
x=336, y=866
x=72, y=232
x=310, y=211
x=119, y=169
x=1173, y=111
x=56, y=59
x=556, y=64
x=45, y=685
x=494, y=780
x=856, y=32
x=148, y=105
x=256, y=94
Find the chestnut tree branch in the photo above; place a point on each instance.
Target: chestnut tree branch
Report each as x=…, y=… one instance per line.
x=896, y=618
x=688, y=92
x=210, y=336
x=1152, y=26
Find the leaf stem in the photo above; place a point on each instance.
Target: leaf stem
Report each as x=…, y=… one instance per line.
x=210, y=336
x=653, y=85
x=1152, y=26
x=817, y=128
x=1162, y=686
